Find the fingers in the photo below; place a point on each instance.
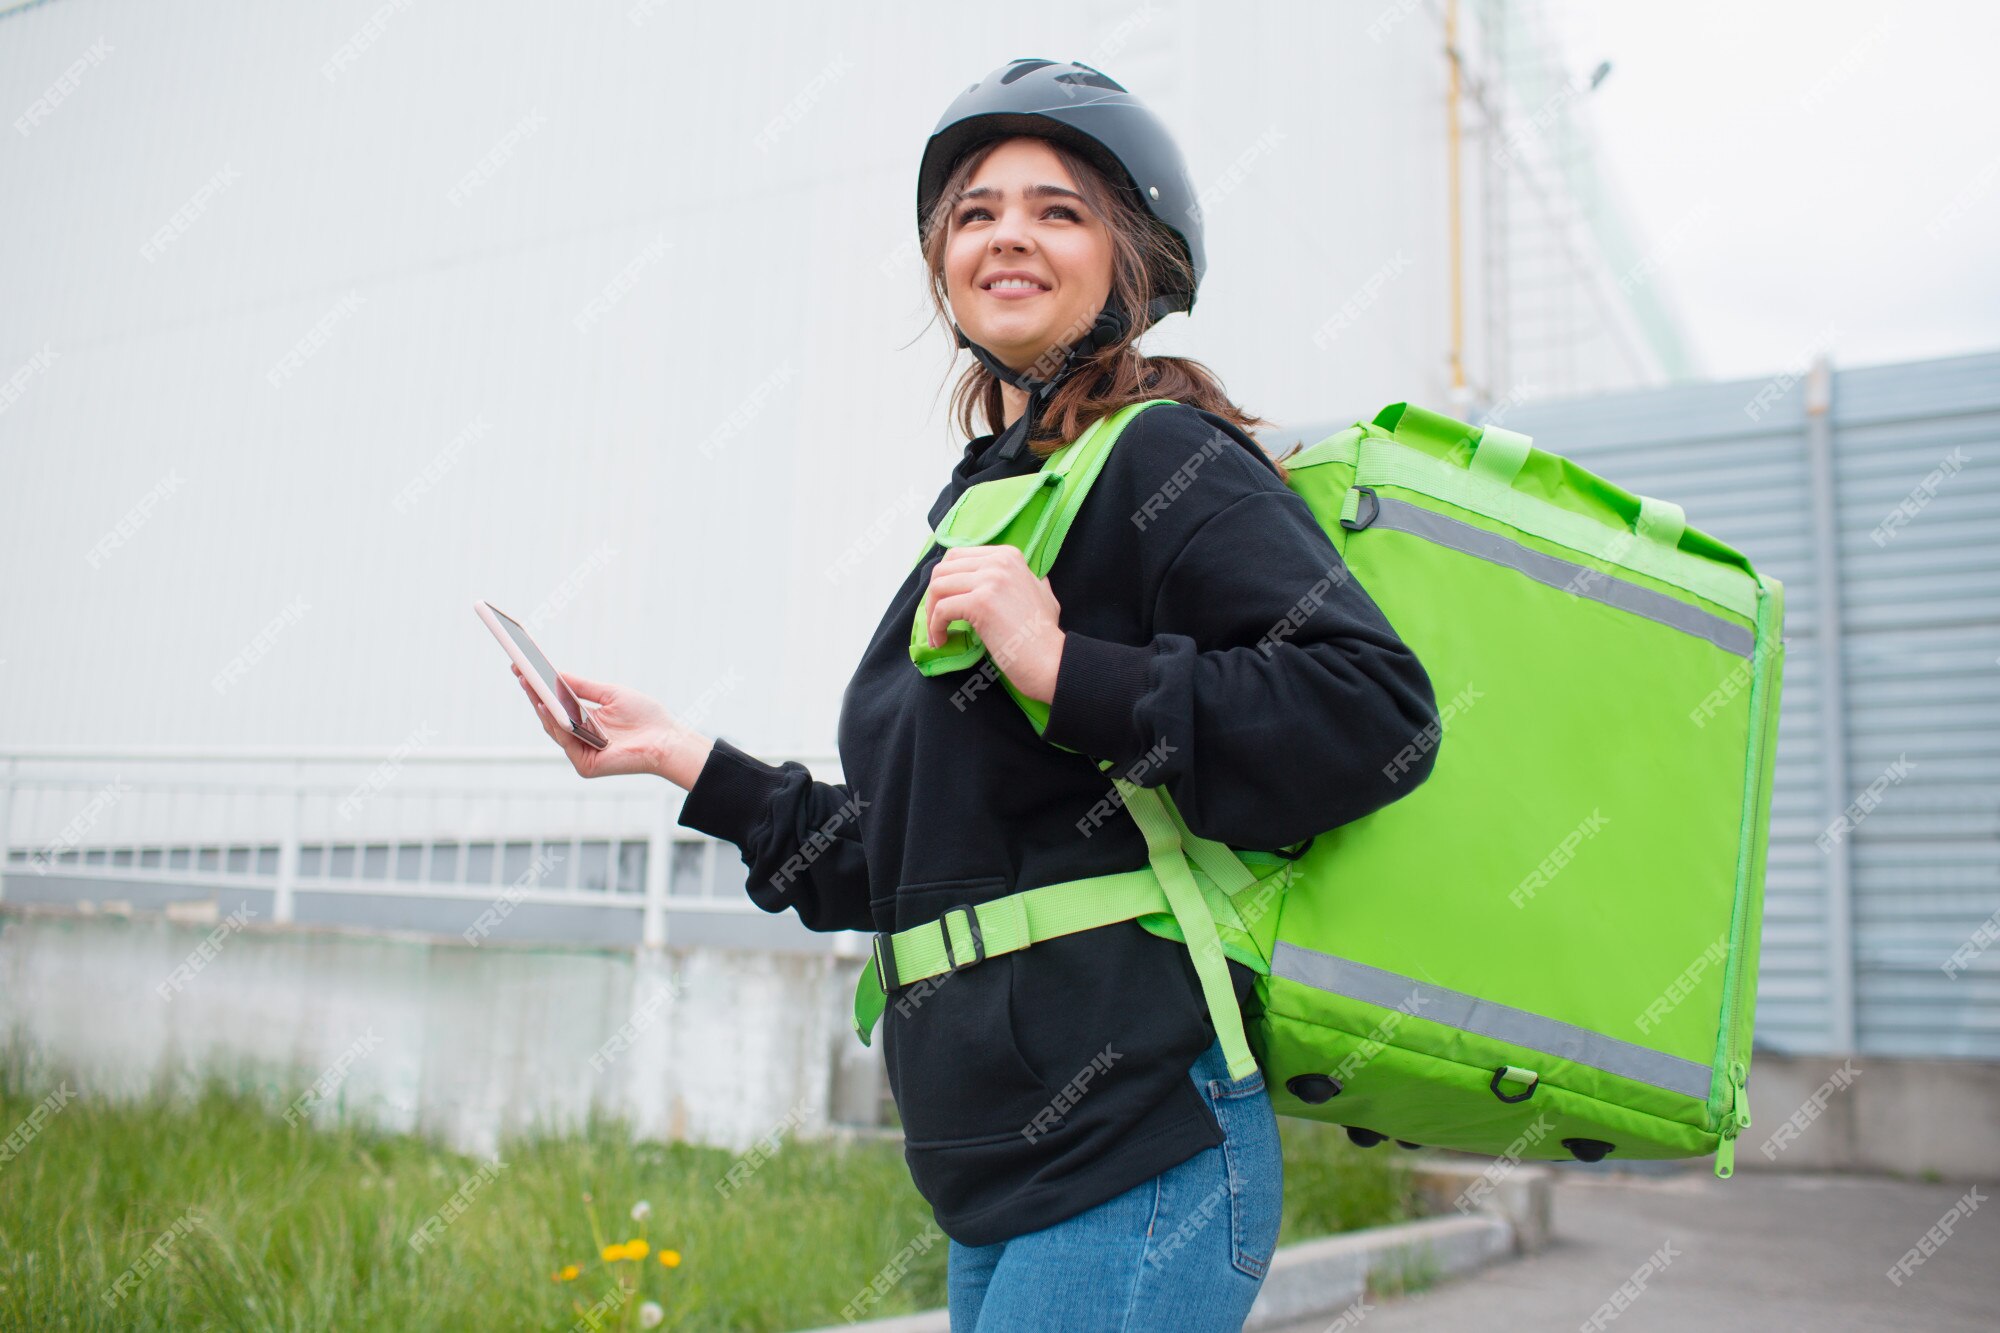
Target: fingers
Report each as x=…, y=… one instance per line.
x=559, y=734
x=946, y=610
x=946, y=585
x=959, y=581
x=542, y=714
x=575, y=750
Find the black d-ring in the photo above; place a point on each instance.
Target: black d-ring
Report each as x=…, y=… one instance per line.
x=1304, y=847
x=1501, y=1073
x=1365, y=509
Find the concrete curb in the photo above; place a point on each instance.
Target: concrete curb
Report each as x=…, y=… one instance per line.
x=1323, y=1278
x=1506, y=1215
x=1523, y=1195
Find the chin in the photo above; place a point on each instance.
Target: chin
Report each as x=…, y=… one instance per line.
x=1010, y=339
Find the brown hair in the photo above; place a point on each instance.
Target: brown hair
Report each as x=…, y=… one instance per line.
x=1114, y=376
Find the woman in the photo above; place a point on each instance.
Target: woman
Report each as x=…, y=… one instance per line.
x=1066, y=1108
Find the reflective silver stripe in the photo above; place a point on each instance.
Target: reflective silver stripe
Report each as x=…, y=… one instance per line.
x=1584, y=581
x=1469, y=1013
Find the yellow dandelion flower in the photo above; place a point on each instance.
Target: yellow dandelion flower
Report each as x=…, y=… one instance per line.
x=637, y=1249
x=613, y=1253
x=567, y=1273
x=671, y=1258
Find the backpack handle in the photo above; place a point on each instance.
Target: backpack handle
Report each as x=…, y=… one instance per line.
x=1496, y=453
x=1662, y=521
x=1499, y=455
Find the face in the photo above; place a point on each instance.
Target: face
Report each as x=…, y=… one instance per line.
x=1010, y=222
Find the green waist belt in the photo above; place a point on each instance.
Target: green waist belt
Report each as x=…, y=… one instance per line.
x=1195, y=891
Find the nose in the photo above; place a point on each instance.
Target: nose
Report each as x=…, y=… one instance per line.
x=1010, y=233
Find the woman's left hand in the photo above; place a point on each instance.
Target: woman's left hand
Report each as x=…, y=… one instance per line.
x=1015, y=613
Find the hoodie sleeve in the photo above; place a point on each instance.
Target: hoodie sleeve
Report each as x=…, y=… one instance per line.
x=1273, y=698
x=800, y=839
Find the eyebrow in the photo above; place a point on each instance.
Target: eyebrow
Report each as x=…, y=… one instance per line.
x=1032, y=192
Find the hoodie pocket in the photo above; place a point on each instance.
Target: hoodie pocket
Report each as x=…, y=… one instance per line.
x=954, y=1062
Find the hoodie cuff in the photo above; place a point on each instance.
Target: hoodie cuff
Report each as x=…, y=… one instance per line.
x=731, y=795
x=1098, y=688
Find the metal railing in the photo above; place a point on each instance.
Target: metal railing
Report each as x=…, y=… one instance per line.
x=441, y=825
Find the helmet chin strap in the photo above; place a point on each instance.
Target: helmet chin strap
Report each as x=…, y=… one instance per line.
x=1109, y=327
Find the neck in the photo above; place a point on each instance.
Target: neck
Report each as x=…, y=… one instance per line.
x=1013, y=402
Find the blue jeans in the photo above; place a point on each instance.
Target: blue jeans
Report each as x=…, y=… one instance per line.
x=1186, y=1250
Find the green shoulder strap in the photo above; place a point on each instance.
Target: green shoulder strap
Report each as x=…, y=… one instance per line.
x=1002, y=510
x=1032, y=511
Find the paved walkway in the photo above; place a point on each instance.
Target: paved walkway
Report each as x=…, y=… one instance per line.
x=1757, y=1252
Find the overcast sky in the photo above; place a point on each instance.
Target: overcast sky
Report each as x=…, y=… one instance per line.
x=1854, y=150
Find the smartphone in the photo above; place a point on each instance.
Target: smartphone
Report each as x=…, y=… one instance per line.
x=560, y=700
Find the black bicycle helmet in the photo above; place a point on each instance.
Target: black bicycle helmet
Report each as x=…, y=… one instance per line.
x=1090, y=113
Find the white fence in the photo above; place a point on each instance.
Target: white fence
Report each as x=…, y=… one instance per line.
x=500, y=846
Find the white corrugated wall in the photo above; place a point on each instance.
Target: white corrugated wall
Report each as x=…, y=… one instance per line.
x=394, y=220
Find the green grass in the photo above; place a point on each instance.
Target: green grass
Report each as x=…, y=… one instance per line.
x=309, y=1228
x=1332, y=1186
x=1404, y=1273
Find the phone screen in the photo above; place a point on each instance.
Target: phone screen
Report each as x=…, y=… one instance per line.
x=541, y=665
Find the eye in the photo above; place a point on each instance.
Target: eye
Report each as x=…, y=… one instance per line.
x=1073, y=215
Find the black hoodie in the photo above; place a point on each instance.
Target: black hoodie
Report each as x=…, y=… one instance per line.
x=1213, y=642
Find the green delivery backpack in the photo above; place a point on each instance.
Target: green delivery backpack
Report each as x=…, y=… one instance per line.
x=1547, y=948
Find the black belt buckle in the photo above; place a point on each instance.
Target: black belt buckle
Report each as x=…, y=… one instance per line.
x=971, y=924
x=885, y=961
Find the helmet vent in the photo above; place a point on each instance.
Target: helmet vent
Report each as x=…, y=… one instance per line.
x=1021, y=67
x=1091, y=78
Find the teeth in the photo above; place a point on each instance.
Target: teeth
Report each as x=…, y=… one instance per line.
x=1014, y=282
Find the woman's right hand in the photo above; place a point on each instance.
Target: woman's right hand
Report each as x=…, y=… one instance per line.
x=644, y=737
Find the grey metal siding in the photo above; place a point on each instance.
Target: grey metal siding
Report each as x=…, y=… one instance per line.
x=1921, y=603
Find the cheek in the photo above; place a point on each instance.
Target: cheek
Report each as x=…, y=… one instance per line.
x=959, y=262
x=1086, y=267
x=1101, y=265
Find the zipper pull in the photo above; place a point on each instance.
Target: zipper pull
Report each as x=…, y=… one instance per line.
x=1734, y=1121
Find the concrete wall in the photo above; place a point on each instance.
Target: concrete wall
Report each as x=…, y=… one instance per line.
x=711, y=1045
x=715, y=1046
x=1873, y=1113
